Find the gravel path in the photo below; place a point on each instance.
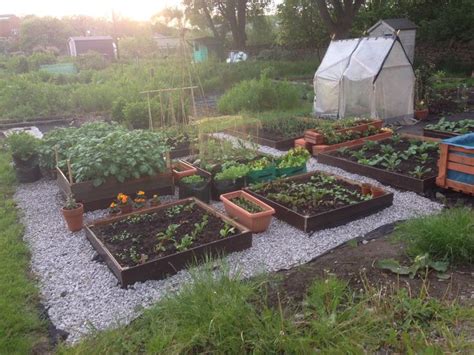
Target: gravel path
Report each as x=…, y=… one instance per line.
x=82, y=295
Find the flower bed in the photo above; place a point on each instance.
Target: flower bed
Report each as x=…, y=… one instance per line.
x=447, y=129
x=157, y=242
x=98, y=197
x=317, y=200
x=398, y=161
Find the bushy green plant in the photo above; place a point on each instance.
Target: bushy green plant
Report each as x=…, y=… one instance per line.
x=99, y=150
x=259, y=95
x=448, y=236
x=294, y=158
x=23, y=146
x=233, y=173
x=193, y=179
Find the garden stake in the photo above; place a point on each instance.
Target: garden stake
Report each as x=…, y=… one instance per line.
x=69, y=171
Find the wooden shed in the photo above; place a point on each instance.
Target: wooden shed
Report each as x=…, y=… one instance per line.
x=101, y=44
x=407, y=33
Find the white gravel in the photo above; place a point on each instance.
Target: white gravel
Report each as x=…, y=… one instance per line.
x=82, y=295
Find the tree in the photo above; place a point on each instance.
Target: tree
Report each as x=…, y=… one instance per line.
x=338, y=15
x=42, y=32
x=301, y=25
x=220, y=16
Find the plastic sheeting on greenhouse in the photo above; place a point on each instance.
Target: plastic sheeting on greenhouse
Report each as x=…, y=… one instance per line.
x=365, y=77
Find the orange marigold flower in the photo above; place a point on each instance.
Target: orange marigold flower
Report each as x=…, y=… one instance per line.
x=140, y=192
x=113, y=205
x=124, y=199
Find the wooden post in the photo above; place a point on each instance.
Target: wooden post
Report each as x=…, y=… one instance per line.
x=69, y=171
x=56, y=156
x=182, y=106
x=193, y=103
x=150, y=122
x=168, y=160
x=162, y=111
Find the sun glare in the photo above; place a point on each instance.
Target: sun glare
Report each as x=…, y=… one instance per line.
x=140, y=10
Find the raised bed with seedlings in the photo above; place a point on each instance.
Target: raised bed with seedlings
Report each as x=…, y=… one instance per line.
x=278, y=133
x=327, y=131
x=398, y=161
x=447, y=129
x=317, y=200
x=157, y=242
x=97, y=161
x=334, y=141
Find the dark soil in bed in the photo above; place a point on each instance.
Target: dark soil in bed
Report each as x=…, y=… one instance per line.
x=406, y=165
x=130, y=238
x=301, y=196
x=355, y=261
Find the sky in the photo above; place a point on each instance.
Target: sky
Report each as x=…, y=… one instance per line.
x=141, y=10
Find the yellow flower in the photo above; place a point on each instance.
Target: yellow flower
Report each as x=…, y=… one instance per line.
x=113, y=205
x=141, y=192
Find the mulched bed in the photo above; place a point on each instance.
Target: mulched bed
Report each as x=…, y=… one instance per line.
x=354, y=262
x=298, y=197
x=138, y=233
x=405, y=166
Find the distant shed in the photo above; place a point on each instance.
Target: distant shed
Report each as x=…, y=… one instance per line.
x=101, y=44
x=406, y=35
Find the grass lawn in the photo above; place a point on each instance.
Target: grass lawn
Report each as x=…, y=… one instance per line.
x=226, y=316
x=21, y=329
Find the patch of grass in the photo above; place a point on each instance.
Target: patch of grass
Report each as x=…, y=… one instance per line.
x=259, y=95
x=448, y=236
x=20, y=326
x=224, y=315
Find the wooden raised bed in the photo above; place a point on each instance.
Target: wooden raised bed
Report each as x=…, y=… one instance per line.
x=313, y=136
x=438, y=134
x=100, y=197
x=165, y=266
x=323, y=148
x=456, y=164
x=331, y=218
x=395, y=179
x=283, y=144
x=183, y=151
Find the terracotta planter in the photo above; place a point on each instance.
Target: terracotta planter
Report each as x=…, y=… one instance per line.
x=256, y=222
x=421, y=115
x=126, y=208
x=74, y=218
x=376, y=192
x=366, y=189
x=182, y=169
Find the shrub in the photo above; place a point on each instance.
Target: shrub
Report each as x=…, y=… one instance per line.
x=448, y=236
x=135, y=114
x=259, y=95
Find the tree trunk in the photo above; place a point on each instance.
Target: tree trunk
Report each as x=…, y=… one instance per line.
x=340, y=22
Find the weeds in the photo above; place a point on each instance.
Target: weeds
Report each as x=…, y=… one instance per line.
x=448, y=236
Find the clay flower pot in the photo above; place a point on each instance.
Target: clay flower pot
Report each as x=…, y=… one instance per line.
x=74, y=218
x=421, y=115
x=182, y=169
x=256, y=222
x=366, y=188
x=376, y=192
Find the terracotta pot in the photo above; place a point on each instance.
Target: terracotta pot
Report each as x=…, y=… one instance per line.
x=182, y=169
x=126, y=208
x=74, y=218
x=366, y=189
x=421, y=114
x=376, y=192
x=256, y=222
